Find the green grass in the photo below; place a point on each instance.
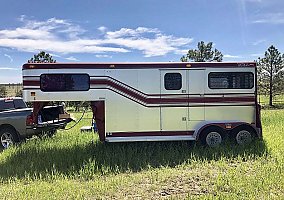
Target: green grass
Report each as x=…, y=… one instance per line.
x=278, y=101
x=74, y=165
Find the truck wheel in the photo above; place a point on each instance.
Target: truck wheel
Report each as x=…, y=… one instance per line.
x=8, y=137
x=212, y=137
x=51, y=133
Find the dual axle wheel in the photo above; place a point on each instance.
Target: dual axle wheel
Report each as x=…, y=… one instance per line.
x=213, y=137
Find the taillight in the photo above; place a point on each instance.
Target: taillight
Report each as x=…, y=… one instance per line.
x=29, y=120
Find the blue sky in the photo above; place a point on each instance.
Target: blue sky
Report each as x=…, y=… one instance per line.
x=134, y=31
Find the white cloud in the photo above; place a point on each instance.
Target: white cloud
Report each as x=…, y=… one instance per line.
x=103, y=56
x=181, y=51
x=55, y=55
x=257, y=54
x=59, y=36
x=8, y=56
x=231, y=56
x=269, y=18
x=64, y=47
x=72, y=58
x=254, y=1
x=102, y=29
x=150, y=41
x=127, y=32
x=25, y=33
x=259, y=42
x=8, y=68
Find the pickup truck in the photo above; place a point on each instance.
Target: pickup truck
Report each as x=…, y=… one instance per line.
x=17, y=121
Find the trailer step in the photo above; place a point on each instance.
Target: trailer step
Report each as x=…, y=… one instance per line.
x=86, y=128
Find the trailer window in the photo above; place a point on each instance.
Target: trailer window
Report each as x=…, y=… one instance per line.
x=173, y=81
x=64, y=82
x=230, y=80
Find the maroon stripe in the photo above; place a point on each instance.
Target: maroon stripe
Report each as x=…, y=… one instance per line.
x=31, y=76
x=152, y=133
x=31, y=88
x=31, y=83
x=120, y=88
x=148, y=100
x=135, y=65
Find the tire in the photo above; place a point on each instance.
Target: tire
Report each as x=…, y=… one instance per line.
x=212, y=137
x=243, y=136
x=51, y=133
x=8, y=137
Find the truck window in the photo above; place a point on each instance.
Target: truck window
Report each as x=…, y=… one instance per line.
x=64, y=82
x=19, y=103
x=173, y=81
x=230, y=80
x=6, y=105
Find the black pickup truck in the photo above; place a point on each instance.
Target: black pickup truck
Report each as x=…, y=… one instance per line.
x=17, y=121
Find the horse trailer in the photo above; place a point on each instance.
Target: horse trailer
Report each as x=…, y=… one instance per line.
x=168, y=101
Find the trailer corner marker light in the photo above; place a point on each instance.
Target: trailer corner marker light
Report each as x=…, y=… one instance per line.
x=33, y=94
x=228, y=126
x=188, y=65
x=111, y=66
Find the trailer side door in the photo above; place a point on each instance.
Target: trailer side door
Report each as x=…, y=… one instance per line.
x=173, y=100
x=196, y=81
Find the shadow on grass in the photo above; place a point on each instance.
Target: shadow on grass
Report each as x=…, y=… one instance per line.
x=104, y=158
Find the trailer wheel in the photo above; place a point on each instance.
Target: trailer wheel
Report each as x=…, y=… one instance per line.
x=212, y=137
x=8, y=137
x=243, y=135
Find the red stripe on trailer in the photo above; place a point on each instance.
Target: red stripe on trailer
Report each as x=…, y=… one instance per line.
x=127, y=90
x=148, y=98
x=31, y=83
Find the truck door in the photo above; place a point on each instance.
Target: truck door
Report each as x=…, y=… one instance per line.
x=196, y=83
x=173, y=100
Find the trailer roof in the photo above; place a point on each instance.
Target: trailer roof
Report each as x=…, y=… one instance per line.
x=138, y=65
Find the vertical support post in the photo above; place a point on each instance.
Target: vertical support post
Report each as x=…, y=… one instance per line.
x=37, y=106
x=98, y=108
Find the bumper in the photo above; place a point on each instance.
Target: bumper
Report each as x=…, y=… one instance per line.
x=47, y=126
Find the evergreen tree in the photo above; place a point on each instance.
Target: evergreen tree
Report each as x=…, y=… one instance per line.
x=203, y=53
x=42, y=57
x=270, y=72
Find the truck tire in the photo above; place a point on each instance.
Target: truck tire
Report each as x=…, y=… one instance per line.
x=51, y=133
x=8, y=137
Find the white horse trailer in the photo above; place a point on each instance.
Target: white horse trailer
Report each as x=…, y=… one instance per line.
x=154, y=101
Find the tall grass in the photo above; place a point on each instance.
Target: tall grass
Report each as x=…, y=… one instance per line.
x=74, y=165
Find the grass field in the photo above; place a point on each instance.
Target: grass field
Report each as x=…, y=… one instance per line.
x=74, y=165
x=278, y=101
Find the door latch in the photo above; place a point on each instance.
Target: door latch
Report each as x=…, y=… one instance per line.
x=183, y=118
